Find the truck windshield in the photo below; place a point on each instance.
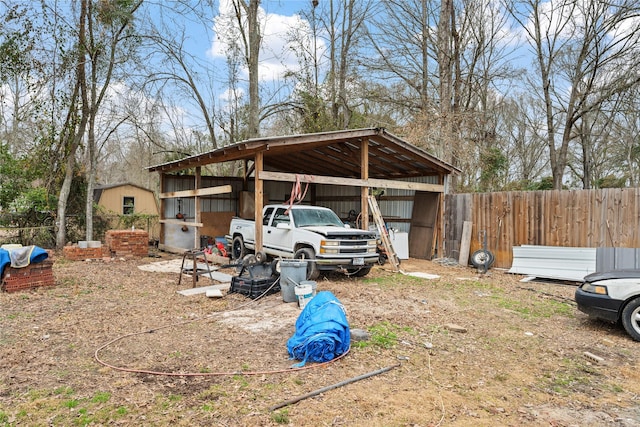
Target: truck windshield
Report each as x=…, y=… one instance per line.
x=315, y=217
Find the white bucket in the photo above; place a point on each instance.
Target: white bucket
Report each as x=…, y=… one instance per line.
x=311, y=283
x=304, y=294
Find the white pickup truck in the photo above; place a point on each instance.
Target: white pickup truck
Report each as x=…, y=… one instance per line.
x=307, y=232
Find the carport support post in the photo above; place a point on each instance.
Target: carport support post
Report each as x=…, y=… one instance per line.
x=364, y=191
x=259, y=198
x=196, y=206
x=163, y=206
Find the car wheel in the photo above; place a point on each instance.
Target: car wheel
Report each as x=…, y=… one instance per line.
x=238, y=251
x=480, y=258
x=631, y=318
x=312, y=268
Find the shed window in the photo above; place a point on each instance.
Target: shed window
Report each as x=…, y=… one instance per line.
x=128, y=205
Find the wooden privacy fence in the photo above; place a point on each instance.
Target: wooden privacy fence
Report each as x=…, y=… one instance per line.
x=570, y=218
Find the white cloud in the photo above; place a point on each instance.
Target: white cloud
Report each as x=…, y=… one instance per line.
x=229, y=95
x=276, y=55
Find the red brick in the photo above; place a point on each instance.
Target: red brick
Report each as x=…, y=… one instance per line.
x=128, y=243
x=30, y=277
x=75, y=253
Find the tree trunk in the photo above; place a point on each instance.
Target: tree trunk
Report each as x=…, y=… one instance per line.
x=73, y=134
x=91, y=177
x=445, y=65
x=252, y=62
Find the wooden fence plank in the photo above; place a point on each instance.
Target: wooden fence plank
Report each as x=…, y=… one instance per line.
x=575, y=218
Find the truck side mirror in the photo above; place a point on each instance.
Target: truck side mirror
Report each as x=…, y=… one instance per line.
x=283, y=226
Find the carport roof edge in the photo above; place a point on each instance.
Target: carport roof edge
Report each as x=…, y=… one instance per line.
x=389, y=156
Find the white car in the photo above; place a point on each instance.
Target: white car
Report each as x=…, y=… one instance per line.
x=613, y=296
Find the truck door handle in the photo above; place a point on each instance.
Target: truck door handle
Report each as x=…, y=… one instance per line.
x=269, y=232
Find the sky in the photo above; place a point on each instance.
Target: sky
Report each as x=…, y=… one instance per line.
x=277, y=17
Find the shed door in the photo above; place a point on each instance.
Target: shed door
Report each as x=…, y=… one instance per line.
x=423, y=224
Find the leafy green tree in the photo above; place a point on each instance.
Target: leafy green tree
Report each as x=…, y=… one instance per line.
x=13, y=177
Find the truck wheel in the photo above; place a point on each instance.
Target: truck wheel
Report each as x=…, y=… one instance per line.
x=359, y=272
x=312, y=268
x=238, y=251
x=631, y=318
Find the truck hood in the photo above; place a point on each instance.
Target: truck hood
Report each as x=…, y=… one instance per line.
x=342, y=232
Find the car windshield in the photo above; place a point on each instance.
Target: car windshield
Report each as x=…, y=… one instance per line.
x=315, y=217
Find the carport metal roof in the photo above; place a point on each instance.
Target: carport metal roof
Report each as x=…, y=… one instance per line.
x=327, y=153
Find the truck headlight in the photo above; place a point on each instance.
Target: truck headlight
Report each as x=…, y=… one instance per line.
x=594, y=289
x=329, y=251
x=329, y=247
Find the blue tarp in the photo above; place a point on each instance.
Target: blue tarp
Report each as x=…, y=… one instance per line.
x=35, y=253
x=322, y=331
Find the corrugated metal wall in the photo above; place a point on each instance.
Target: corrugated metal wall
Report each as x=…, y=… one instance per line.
x=569, y=218
x=394, y=204
x=185, y=206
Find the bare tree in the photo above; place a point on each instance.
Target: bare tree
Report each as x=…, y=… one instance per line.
x=625, y=131
x=446, y=61
x=178, y=70
x=108, y=27
x=248, y=25
x=586, y=52
x=518, y=135
x=328, y=46
x=343, y=24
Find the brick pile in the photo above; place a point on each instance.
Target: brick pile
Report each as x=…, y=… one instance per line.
x=128, y=243
x=76, y=253
x=29, y=277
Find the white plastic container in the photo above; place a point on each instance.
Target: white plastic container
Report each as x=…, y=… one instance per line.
x=313, y=285
x=82, y=244
x=94, y=244
x=304, y=294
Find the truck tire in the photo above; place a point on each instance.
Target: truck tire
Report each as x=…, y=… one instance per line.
x=312, y=268
x=238, y=251
x=359, y=272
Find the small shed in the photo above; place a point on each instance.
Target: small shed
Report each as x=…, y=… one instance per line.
x=120, y=200
x=357, y=159
x=126, y=199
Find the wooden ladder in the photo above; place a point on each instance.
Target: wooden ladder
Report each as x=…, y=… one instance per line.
x=384, y=235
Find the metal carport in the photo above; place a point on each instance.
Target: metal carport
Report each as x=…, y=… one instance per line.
x=362, y=158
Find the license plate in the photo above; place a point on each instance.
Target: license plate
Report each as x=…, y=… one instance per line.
x=358, y=261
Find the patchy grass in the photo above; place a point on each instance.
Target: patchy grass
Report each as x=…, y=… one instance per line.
x=521, y=353
x=385, y=335
x=280, y=417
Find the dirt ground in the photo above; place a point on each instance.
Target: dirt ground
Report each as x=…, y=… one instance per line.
x=112, y=344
